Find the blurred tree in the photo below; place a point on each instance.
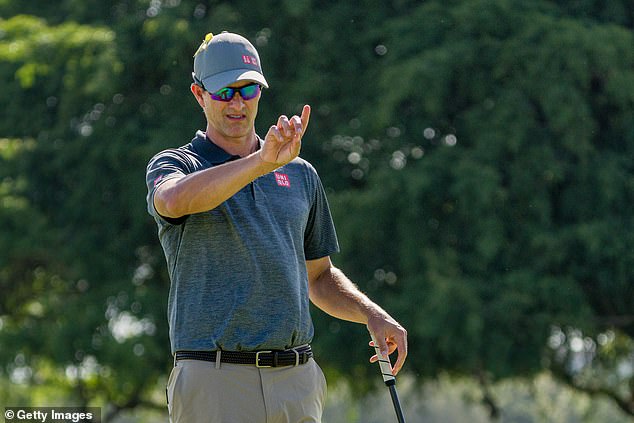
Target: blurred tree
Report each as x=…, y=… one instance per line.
x=501, y=192
x=613, y=11
x=480, y=154
x=75, y=304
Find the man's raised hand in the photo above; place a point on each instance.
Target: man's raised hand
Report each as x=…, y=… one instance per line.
x=283, y=141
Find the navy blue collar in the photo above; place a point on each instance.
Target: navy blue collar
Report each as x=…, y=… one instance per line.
x=210, y=151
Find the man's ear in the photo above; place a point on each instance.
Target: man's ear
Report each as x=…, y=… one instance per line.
x=198, y=92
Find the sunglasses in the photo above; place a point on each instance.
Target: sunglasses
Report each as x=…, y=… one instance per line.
x=247, y=92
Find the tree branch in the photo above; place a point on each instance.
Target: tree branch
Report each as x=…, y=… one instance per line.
x=487, y=398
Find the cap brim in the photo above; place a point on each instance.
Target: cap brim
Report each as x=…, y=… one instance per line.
x=221, y=80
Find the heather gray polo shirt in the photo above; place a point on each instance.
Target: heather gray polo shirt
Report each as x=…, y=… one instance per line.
x=238, y=272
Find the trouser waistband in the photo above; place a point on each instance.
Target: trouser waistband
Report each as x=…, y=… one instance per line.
x=268, y=358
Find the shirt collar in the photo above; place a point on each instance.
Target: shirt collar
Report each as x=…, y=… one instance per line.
x=212, y=152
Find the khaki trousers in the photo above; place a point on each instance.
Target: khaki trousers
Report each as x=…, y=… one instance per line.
x=201, y=392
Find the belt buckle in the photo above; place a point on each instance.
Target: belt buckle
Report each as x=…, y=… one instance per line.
x=296, y=356
x=257, y=359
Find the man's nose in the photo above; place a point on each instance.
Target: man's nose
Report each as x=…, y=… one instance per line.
x=236, y=100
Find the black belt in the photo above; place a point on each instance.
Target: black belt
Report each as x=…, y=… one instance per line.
x=271, y=358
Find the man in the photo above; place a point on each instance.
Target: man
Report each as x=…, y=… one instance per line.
x=247, y=235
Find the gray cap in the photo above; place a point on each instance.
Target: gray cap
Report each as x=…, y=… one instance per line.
x=224, y=59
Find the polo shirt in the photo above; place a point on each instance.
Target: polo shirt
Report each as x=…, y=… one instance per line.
x=238, y=272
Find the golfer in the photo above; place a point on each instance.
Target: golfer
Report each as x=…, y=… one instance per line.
x=247, y=235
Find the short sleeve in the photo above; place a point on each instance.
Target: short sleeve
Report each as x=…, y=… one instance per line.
x=320, y=237
x=164, y=166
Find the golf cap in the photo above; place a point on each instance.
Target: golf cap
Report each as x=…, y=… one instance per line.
x=224, y=59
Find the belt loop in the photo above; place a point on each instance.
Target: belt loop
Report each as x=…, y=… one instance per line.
x=174, y=359
x=296, y=356
x=218, y=355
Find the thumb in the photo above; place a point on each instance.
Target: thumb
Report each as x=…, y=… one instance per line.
x=305, y=117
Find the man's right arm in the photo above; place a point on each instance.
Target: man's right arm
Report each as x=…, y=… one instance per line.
x=206, y=189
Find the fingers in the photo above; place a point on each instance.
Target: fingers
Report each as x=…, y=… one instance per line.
x=283, y=140
x=284, y=126
x=295, y=127
x=274, y=134
x=305, y=117
x=383, y=348
x=396, y=340
x=402, y=353
x=286, y=130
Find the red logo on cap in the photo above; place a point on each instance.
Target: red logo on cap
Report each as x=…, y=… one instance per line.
x=250, y=60
x=282, y=180
x=157, y=180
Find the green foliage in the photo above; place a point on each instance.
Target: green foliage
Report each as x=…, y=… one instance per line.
x=478, y=158
x=488, y=198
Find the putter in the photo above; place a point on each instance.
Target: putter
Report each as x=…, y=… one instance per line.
x=389, y=379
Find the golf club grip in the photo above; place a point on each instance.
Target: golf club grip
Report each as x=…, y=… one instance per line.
x=384, y=364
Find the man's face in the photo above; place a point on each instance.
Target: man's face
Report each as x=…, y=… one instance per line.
x=234, y=118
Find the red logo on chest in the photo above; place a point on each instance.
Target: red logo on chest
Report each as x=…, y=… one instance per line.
x=282, y=180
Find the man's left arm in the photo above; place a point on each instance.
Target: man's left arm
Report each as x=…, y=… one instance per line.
x=335, y=294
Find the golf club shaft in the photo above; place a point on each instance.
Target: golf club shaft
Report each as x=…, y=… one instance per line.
x=389, y=379
x=397, y=404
